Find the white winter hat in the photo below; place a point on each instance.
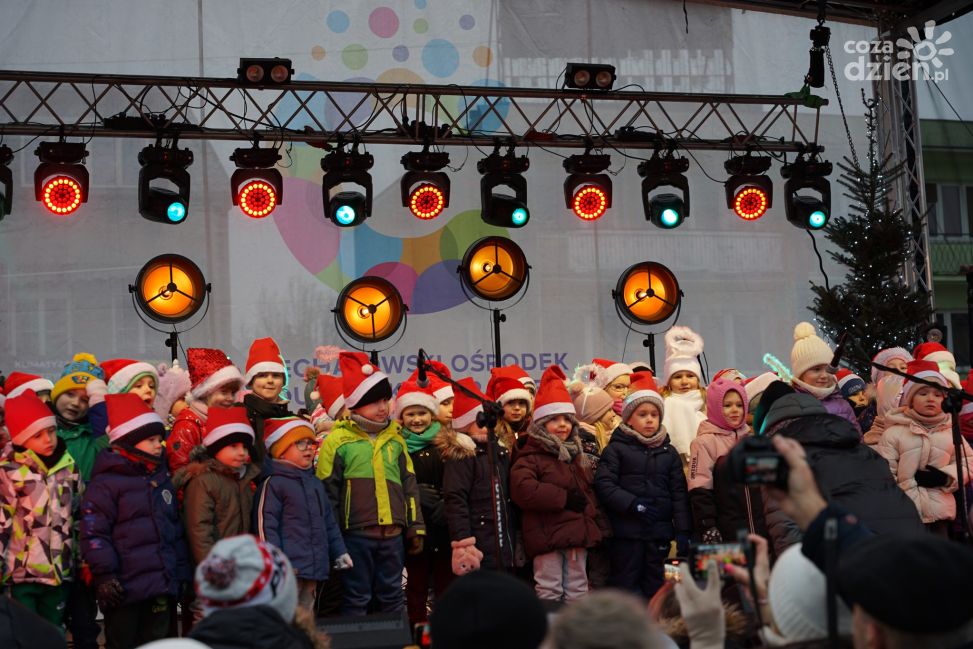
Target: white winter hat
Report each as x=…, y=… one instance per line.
x=798, y=599
x=683, y=347
x=809, y=349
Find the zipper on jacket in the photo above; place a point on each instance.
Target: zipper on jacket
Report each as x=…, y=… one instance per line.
x=347, y=502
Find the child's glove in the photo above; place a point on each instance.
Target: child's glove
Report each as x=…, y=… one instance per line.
x=343, y=562
x=931, y=478
x=644, y=508
x=466, y=557
x=96, y=389
x=415, y=545
x=576, y=501
x=110, y=593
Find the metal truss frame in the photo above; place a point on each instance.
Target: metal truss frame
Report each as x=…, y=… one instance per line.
x=98, y=105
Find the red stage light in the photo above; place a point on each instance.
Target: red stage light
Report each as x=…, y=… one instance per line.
x=61, y=195
x=427, y=201
x=257, y=199
x=590, y=202
x=750, y=203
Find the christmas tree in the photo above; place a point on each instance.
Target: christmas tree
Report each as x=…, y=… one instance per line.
x=874, y=304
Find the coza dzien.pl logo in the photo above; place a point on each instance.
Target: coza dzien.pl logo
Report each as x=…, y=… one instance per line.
x=918, y=57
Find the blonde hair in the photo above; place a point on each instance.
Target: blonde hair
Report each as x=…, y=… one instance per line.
x=665, y=391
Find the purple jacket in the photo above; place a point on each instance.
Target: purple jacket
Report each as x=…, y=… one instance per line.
x=836, y=404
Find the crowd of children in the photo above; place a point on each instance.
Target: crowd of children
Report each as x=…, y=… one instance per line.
x=119, y=477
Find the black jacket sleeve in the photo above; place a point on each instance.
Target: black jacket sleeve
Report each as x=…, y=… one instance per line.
x=682, y=518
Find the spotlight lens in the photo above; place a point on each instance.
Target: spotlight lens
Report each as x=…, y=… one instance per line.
x=255, y=73
x=62, y=195
x=603, y=79
x=670, y=217
x=176, y=212
x=279, y=73
x=581, y=78
x=519, y=216
x=257, y=199
x=817, y=220
x=427, y=201
x=345, y=215
x=750, y=203
x=590, y=202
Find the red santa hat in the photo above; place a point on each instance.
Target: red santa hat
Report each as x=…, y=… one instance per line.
x=121, y=373
x=327, y=390
x=209, y=369
x=505, y=385
x=936, y=353
x=602, y=372
x=26, y=416
x=264, y=356
x=358, y=378
x=517, y=372
x=440, y=389
x=465, y=407
x=756, y=385
x=19, y=382
x=281, y=432
x=643, y=390
x=923, y=370
x=130, y=420
x=730, y=374
x=410, y=394
x=552, y=396
x=225, y=426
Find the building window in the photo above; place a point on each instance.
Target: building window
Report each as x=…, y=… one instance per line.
x=957, y=337
x=950, y=212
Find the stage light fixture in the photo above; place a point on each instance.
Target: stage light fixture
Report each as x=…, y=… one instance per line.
x=369, y=310
x=61, y=179
x=169, y=289
x=749, y=191
x=665, y=210
x=164, y=168
x=587, y=191
x=347, y=208
x=647, y=294
x=425, y=188
x=503, y=210
x=589, y=76
x=6, y=180
x=820, y=38
x=494, y=269
x=256, y=186
x=264, y=72
x=807, y=211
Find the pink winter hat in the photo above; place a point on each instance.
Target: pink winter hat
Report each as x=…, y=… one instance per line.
x=715, y=393
x=174, y=384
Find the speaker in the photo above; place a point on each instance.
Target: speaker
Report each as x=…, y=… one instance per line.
x=378, y=631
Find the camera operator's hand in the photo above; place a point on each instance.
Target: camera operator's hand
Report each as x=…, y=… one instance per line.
x=702, y=610
x=803, y=500
x=761, y=569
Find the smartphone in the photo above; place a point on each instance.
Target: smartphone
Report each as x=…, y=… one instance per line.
x=723, y=554
x=672, y=570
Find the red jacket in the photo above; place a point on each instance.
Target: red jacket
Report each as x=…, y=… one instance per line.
x=187, y=434
x=539, y=485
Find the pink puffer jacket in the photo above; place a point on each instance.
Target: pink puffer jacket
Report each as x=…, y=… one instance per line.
x=714, y=437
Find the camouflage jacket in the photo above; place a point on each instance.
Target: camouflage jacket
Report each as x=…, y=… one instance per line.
x=37, y=517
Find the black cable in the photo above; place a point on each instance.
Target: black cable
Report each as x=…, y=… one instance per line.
x=946, y=99
x=814, y=244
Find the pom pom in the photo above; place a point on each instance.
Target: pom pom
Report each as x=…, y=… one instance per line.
x=683, y=342
x=83, y=356
x=219, y=572
x=161, y=368
x=311, y=374
x=315, y=396
x=804, y=330
x=575, y=388
x=367, y=369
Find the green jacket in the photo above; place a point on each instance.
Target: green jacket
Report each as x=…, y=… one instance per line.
x=370, y=482
x=37, y=516
x=81, y=445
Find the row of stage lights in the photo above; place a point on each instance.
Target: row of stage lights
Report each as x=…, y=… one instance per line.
x=61, y=184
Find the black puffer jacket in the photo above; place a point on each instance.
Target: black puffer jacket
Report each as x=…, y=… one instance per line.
x=849, y=474
x=738, y=507
x=428, y=465
x=249, y=627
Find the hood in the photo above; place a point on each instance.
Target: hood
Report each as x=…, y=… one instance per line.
x=286, y=469
x=248, y=627
x=823, y=430
x=107, y=461
x=707, y=427
x=453, y=445
x=792, y=406
x=715, y=393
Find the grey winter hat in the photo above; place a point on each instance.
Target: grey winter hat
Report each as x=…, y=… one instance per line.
x=792, y=406
x=244, y=571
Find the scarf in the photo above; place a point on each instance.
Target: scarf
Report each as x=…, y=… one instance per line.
x=565, y=450
x=654, y=441
x=370, y=426
x=199, y=407
x=817, y=393
x=132, y=454
x=683, y=415
x=415, y=442
x=929, y=423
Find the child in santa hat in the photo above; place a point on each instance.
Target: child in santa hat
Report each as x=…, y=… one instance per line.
x=613, y=377
x=685, y=398
x=39, y=486
x=131, y=534
x=293, y=510
x=550, y=482
x=724, y=426
x=416, y=408
x=214, y=383
x=441, y=390
x=330, y=403
x=642, y=488
x=372, y=485
x=121, y=375
x=506, y=389
x=19, y=382
x=918, y=444
x=936, y=353
x=810, y=361
x=266, y=378
x=477, y=535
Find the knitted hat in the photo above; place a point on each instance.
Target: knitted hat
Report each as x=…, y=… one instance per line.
x=19, y=382
x=327, y=390
x=174, y=384
x=264, y=356
x=281, y=432
x=27, y=415
x=505, y=385
x=715, y=393
x=756, y=386
x=938, y=354
x=644, y=390
x=552, y=396
x=76, y=374
x=130, y=420
x=809, y=350
x=923, y=370
x=209, y=369
x=486, y=609
x=601, y=372
x=225, y=426
x=243, y=571
x=797, y=595
x=590, y=402
x=730, y=374
x=774, y=391
x=683, y=346
x=849, y=383
x=122, y=373
x=411, y=394
x=885, y=356
x=362, y=383
x=466, y=408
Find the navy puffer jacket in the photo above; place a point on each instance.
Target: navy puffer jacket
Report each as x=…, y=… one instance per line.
x=629, y=470
x=131, y=530
x=294, y=513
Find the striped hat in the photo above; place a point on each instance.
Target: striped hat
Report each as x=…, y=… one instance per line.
x=644, y=390
x=281, y=432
